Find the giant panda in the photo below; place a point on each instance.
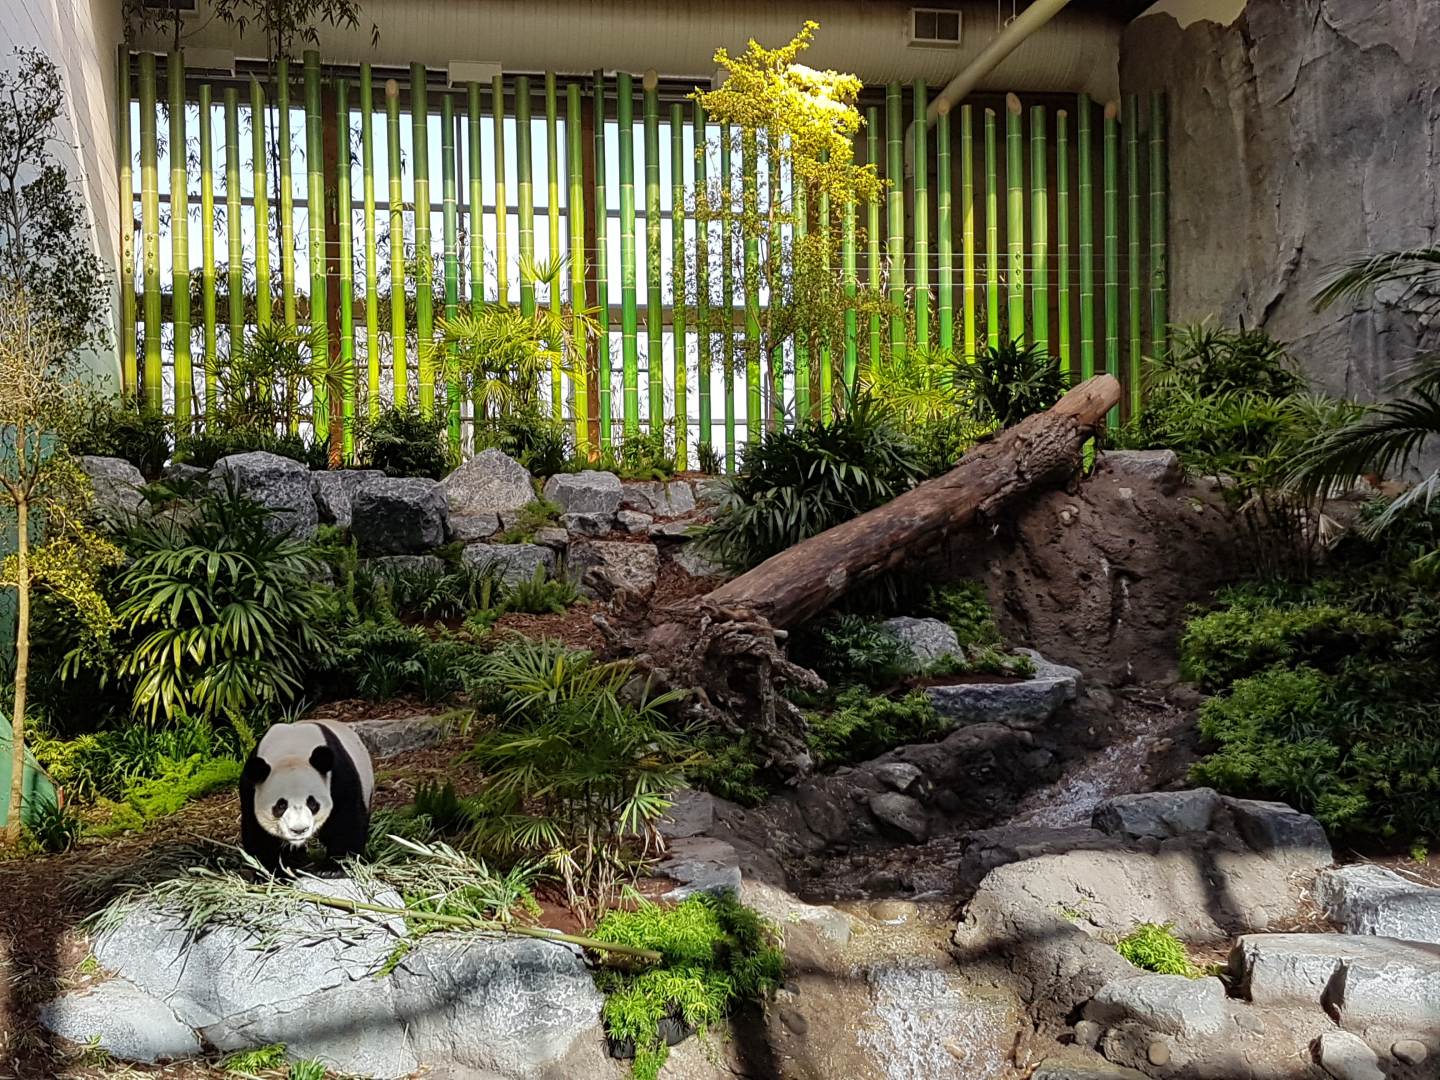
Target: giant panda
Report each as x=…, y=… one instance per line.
x=303, y=782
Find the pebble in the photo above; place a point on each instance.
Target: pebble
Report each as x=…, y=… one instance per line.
x=1087, y=1034
x=795, y=1020
x=1409, y=1051
x=1158, y=1053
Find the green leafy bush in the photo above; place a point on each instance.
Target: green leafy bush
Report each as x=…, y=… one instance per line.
x=204, y=450
x=965, y=606
x=856, y=649
x=541, y=595
x=176, y=784
x=795, y=483
x=1007, y=382
x=536, y=514
x=1153, y=947
x=119, y=428
x=401, y=442
x=53, y=827
x=539, y=443
x=716, y=954
x=729, y=767
x=111, y=761
x=861, y=726
x=642, y=456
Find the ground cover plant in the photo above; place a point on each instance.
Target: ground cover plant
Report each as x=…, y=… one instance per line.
x=1153, y=947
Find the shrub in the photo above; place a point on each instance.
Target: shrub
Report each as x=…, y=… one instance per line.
x=862, y=726
x=856, y=649
x=729, y=767
x=541, y=595
x=1153, y=947
x=120, y=428
x=539, y=443
x=708, y=459
x=965, y=606
x=401, y=442
x=53, y=827
x=716, y=954
x=638, y=457
x=536, y=514
x=176, y=784
x=1007, y=382
x=204, y=450
x=795, y=483
x=109, y=762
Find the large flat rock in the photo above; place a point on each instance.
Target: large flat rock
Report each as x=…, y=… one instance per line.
x=121, y=1019
x=1367, y=899
x=491, y=482
x=1023, y=705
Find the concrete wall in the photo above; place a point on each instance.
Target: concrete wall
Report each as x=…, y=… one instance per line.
x=81, y=37
x=1186, y=12
x=1301, y=134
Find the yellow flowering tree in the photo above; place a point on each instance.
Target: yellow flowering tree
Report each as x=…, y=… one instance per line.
x=41, y=399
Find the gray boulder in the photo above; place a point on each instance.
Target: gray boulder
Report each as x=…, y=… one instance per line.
x=474, y=527
x=1346, y=1057
x=1282, y=832
x=277, y=482
x=1023, y=705
x=928, y=639
x=701, y=864
x=672, y=499
x=1157, y=814
x=555, y=538
x=389, y=736
x=398, y=516
x=587, y=524
x=491, y=482
x=675, y=531
x=116, y=484
x=1172, y=1004
x=334, y=490
x=633, y=521
x=513, y=562
x=697, y=564
x=1159, y=467
x=710, y=492
x=604, y=567
x=587, y=492
x=127, y=1022
x=901, y=813
x=178, y=470
x=1367, y=899
x=899, y=776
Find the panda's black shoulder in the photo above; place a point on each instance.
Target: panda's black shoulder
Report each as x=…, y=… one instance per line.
x=345, y=789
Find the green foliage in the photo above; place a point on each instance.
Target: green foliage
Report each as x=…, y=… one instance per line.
x=53, y=827
x=856, y=649
x=965, y=606
x=267, y=382
x=114, y=427
x=541, y=595
x=862, y=726
x=1007, y=382
x=983, y=660
x=309, y=1069
x=717, y=954
x=539, y=443
x=257, y=1060
x=536, y=514
x=577, y=773
x=439, y=593
x=708, y=459
x=729, y=767
x=401, y=442
x=440, y=805
x=176, y=784
x=1153, y=947
x=381, y=658
x=204, y=450
x=110, y=762
x=795, y=483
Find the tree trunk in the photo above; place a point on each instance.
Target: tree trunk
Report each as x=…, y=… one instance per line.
x=22, y=668
x=801, y=582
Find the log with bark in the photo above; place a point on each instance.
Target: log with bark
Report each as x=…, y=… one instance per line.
x=727, y=647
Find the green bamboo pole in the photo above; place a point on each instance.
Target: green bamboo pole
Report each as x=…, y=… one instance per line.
x=750, y=226
x=1159, y=216
x=827, y=373
x=153, y=384
x=345, y=217
x=872, y=229
x=922, y=219
x=1131, y=125
x=449, y=217
x=967, y=227
x=502, y=201
x=552, y=220
x=678, y=284
x=234, y=256
x=803, y=373
x=629, y=323
x=207, y=246
x=287, y=193
x=602, y=262
x=702, y=273
x=424, y=285
x=895, y=216
x=129, y=373
x=1040, y=228
x=992, y=234
x=654, y=300
x=372, y=301
x=477, y=199
x=1015, y=219
x=1062, y=235
x=258, y=125
x=315, y=206
x=1112, y=244
x=179, y=241
x=574, y=152
x=727, y=288
x=399, y=352
x=944, y=225
x=1087, y=237
x=775, y=392
x=852, y=290
x=525, y=191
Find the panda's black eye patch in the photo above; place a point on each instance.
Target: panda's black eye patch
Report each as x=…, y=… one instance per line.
x=280, y=807
x=314, y=804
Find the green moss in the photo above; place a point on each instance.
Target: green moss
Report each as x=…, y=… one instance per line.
x=178, y=783
x=862, y=725
x=717, y=954
x=1154, y=947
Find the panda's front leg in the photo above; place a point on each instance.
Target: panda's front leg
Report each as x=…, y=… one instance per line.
x=259, y=844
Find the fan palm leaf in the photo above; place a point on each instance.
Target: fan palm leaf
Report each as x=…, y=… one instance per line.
x=1352, y=279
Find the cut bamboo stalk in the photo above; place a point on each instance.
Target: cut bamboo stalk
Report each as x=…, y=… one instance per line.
x=399, y=351
x=525, y=192
x=287, y=192
x=580, y=374
x=872, y=230
x=702, y=274
x=629, y=321
x=129, y=372
x=922, y=219
x=179, y=242
x=895, y=216
x=502, y=201
x=1131, y=124
x=1159, y=216
x=1015, y=219
x=1062, y=237
x=750, y=218
x=775, y=389
x=315, y=212
x=259, y=123
x=602, y=264
x=967, y=227
x=1086, y=193
x=654, y=296
x=827, y=368
x=234, y=253
x=852, y=291
x=424, y=283
x=345, y=220
x=152, y=386
x=727, y=288
x=372, y=302
x=678, y=298
x=476, y=207
x=803, y=374
x=450, y=228
x=207, y=247
x=1040, y=229
x=944, y=226
x=1112, y=244
x=552, y=221
x=992, y=233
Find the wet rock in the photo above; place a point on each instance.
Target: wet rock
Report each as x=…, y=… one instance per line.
x=1158, y=814
x=903, y=814
x=398, y=516
x=116, y=484
x=632, y=521
x=334, y=492
x=587, y=492
x=603, y=568
x=489, y=483
x=928, y=639
x=513, y=563
x=1172, y=1004
x=126, y=1022
x=893, y=912
x=701, y=864
x=671, y=499
x=1346, y=1057
x=277, y=482
x=1367, y=899
x=472, y=527
x=1024, y=705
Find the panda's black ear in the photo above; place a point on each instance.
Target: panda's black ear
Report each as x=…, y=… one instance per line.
x=256, y=770
x=322, y=759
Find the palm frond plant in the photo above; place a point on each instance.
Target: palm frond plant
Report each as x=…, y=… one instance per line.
x=1413, y=268
x=266, y=382
x=1008, y=382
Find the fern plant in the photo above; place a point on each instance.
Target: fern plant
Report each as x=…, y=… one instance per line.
x=1009, y=381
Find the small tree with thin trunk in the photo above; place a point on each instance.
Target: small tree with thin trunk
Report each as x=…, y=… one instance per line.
x=41, y=400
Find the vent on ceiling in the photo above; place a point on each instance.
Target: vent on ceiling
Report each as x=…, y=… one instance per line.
x=184, y=7
x=937, y=27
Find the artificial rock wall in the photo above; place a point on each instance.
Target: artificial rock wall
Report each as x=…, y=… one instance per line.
x=1302, y=133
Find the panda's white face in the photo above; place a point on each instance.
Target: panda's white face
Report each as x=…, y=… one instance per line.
x=293, y=802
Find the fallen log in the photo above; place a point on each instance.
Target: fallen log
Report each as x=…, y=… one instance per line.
x=794, y=586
